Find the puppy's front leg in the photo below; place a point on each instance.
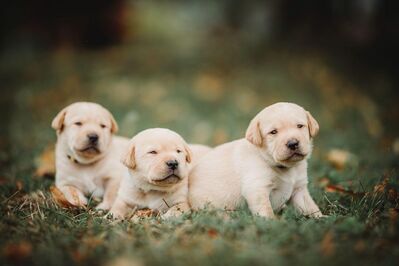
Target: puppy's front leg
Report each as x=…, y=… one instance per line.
x=74, y=196
x=304, y=203
x=119, y=209
x=257, y=195
x=176, y=210
x=111, y=190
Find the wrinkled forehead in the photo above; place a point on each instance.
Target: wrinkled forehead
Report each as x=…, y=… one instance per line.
x=285, y=115
x=159, y=142
x=87, y=113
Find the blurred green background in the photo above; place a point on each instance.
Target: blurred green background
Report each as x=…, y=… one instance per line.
x=204, y=69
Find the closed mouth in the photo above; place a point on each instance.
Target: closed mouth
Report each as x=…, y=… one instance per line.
x=90, y=149
x=295, y=156
x=170, y=179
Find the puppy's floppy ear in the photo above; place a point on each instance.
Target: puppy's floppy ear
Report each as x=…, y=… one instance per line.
x=58, y=121
x=189, y=153
x=129, y=158
x=313, y=125
x=253, y=133
x=114, y=125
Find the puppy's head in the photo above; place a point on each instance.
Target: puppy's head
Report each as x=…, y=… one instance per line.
x=283, y=132
x=85, y=129
x=159, y=156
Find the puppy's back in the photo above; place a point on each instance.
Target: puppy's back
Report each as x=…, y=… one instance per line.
x=213, y=180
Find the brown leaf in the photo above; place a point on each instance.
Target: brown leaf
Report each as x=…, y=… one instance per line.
x=360, y=246
x=393, y=219
x=327, y=245
x=18, y=251
x=45, y=163
x=380, y=188
x=78, y=256
x=209, y=87
x=19, y=185
x=3, y=180
x=393, y=194
x=60, y=199
x=146, y=213
x=212, y=233
x=338, y=158
x=340, y=189
x=323, y=182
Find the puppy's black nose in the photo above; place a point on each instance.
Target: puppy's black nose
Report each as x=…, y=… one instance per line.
x=172, y=164
x=293, y=144
x=93, y=138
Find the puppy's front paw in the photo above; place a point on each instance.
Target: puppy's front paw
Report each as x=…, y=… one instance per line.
x=318, y=215
x=173, y=213
x=75, y=197
x=116, y=215
x=269, y=216
x=104, y=206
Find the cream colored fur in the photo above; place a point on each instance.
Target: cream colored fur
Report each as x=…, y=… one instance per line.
x=260, y=168
x=84, y=170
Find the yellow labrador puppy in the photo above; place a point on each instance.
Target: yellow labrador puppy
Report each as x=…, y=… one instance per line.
x=267, y=168
x=88, y=154
x=158, y=161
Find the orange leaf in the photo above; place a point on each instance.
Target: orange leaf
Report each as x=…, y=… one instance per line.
x=18, y=251
x=327, y=244
x=212, y=233
x=45, y=164
x=342, y=190
x=146, y=213
x=60, y=199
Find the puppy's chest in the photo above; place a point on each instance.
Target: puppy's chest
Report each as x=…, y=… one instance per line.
x=92, y=180
x=93, y=184
x=156, y=201
x=283, y=188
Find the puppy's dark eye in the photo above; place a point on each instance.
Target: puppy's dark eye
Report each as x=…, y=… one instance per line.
x=273, y=132
x=178, y=151
x=152, y=152
x=78, y=123
x=299, y=126
x=103, y=126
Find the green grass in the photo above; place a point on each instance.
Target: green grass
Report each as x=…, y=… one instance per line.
x=209, y=98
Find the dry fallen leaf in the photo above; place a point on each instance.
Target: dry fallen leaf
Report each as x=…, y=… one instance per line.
x=327, y=244
x=45, y=163
x=380, y=188
x=339, y=158
x=212, y=233
x=323, y=182
x=209, y=87
x=19, y=185
x=360, y=246
x=125, y=261
x=60, y=199
x=393, y=219
x=340, y=189
x=18, y=251
x=393, y=194
x=146, y=213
